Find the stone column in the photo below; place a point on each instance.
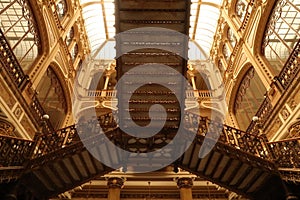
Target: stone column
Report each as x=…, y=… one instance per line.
x=115, y=185
x=106, y=81
x=185, y=185
x=193, y=82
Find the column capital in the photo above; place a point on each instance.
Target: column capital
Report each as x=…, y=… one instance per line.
x=185, y=182
x=115, y=182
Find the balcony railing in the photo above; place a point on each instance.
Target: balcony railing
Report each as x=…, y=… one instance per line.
x=190, y=94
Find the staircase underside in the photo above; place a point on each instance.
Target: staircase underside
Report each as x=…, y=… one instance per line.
x=226, y=166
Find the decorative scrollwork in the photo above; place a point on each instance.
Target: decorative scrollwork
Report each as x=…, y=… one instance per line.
x=28, y=15
x=14, y=151
x=286, y=153
x=276, y=14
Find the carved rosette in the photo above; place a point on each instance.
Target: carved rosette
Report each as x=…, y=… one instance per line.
x=184, y=182
x=115, y=182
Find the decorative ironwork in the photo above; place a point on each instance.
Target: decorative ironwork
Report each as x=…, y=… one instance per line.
x=286, y=153
x=32, y=26
x=276, y=14
x=14, y=151
x=251, y=148
x=11, y=64
x=238, y=139
x=38, y=113
x=291, y=68
x=263, y=115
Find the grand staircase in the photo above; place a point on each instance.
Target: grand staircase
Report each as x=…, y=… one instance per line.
x=54, y=163
x=240, y=162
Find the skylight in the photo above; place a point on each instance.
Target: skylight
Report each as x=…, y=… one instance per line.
x=99, y=21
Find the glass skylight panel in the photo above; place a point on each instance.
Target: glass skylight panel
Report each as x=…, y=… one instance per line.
x=100, y=25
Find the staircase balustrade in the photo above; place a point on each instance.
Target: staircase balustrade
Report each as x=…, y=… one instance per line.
x=286, y=153
x=256, y=145
x=14, y=151
x=11, y=65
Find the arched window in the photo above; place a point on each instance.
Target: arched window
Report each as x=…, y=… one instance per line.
x=282, y=33
x=19, y=28
x=61, y=8
x=52, y=98
x=249, y=97
x=70, y=36
x=241, y=9
x=231, y=37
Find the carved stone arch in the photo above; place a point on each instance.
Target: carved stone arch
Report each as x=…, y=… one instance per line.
x=262, y=25
x=238, y=79
x=62, y=79
x=38, y=12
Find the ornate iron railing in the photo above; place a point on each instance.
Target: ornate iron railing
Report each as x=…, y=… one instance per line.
x=287, y=75
x=38, y=113
x=286, y=153
x=14, y=151
x=20, y=79
x=291, y=68
x=11, y=64
x=263, y=115
x=46, y=143
x=256, y=145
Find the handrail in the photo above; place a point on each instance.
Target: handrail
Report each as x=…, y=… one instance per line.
x=285, y=140
x=286, y=153
x=38, y=113
x=291, y=68
x=231, y=136
x=11, y=63
x=20, y=79
x=113, y=93
x=14, y=151
x=263, y=113
x=49, y=142
x=286, y=76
